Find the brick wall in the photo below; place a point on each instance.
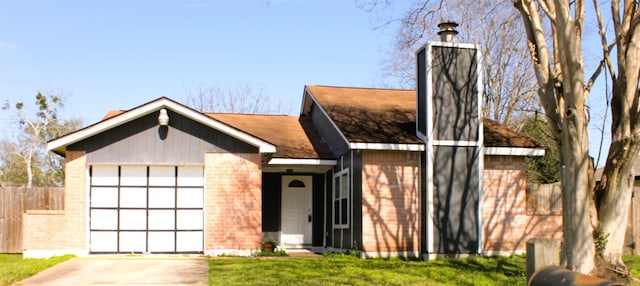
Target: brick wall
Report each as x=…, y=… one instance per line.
x=390, y=203
x=507, y=227
x=233, y=203
x=54, y=232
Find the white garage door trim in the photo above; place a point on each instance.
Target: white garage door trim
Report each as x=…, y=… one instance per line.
x=146, y=209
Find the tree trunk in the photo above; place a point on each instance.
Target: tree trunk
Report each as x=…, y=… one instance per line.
x=616, y=185
x=613, y=215
x=29, y=163
x=576, y=177
x=613, y=195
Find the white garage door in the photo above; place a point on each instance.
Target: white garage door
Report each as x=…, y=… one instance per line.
x=146, y=209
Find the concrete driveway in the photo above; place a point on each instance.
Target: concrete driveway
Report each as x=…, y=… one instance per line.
x=124, y=271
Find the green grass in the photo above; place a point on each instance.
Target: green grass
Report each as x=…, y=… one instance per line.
x=14, y=268
x=633, y=262
x=338, y=269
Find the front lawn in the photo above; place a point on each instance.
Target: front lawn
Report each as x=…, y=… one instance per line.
x=633, y=262
x=336, y=269
x=14, y=268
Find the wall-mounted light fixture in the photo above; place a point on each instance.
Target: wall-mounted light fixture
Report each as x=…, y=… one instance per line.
x=163, y=118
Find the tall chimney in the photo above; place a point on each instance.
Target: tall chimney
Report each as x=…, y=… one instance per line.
x=449, y=121
x=447, y=31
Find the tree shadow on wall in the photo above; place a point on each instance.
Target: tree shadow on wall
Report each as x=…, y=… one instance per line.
x=242, y=213
x=507, y=222
x=392, y=204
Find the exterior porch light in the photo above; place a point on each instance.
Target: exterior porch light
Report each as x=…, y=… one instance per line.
x=163, y=118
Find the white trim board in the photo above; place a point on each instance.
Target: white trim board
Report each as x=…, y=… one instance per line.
x=312, y=162
x=59, y=143
x=513, y=151
x=387, y=146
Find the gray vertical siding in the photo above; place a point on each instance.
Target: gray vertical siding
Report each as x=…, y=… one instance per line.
x=455, y=94
x=449, y=99
x=271, y=202
x=421, y=117
x=456, y=199
x=328, y=196
x=423, y=202
x=143, y=141
x=318, y=209
x=328, y=132
x=356, y=199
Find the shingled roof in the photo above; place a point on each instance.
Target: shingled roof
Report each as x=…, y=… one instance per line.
x=374, y=115
x=295, y=137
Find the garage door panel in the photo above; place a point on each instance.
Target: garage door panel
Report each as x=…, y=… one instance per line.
x=162, y=198
x=104, y=219
x=104, y=241
x=190, y=198
x=133, y=241
x=162, y=220
x=133, y=197
x=189, y=219
x=162, y=241
x=106, y=197
x=162, y=176
x=133, y=175
x=190, y=176
x=104, y=175
x=189, y=241
x=146, y=209
x=133, y=219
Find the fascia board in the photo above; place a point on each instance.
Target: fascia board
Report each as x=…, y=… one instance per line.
x=128, y=116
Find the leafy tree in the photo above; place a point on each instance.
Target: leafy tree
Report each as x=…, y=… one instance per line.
x=545, y=169
x=26, y=160
x=554, y=42
x=563, y=90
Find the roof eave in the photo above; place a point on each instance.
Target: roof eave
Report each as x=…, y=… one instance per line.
x=513, y=151
x=417, y=147
x=293, y=161
x=59, y=144
x=387, y=146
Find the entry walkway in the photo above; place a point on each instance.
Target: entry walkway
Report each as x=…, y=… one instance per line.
x=124, y=271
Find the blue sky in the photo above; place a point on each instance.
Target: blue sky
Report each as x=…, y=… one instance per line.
x=116, y=54
x=119, y=54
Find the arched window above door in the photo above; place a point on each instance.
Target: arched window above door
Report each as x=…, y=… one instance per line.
x=296, y=184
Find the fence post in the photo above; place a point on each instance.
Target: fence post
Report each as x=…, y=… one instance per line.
x=541, y=252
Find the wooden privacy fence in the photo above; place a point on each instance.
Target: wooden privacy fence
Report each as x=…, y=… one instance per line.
x=15, y=201
x=546, y=200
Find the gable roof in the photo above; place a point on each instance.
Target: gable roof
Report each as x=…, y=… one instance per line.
x=117, y=118
x=295, y=137
x=388, y=116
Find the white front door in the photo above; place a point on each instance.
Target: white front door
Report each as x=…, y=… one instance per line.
x=296, y=210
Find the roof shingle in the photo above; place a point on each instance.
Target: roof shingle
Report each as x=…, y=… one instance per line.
x=295, y=137
x=375, y=115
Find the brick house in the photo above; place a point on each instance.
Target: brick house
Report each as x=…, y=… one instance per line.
x=355, y=170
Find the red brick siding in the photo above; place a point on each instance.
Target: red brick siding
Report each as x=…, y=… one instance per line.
x=233, y=201
x=62, y=230
x=390, y=202
x=507, y=227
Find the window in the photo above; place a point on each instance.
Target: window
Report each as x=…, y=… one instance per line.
x=341, y=199
x=296, y=184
